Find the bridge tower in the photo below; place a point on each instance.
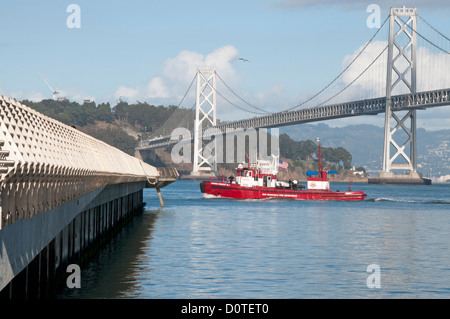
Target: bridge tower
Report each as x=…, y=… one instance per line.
x=401, y=72
x=205, y=113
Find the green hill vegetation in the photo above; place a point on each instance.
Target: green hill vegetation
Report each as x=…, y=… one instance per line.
x=305, y=150
x=109, y=124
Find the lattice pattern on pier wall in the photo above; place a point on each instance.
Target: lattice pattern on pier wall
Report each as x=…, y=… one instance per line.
x=44, y=163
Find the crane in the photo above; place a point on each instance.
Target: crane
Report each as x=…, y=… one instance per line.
x=55, y=92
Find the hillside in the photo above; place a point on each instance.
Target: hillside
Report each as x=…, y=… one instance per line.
x=365, y=143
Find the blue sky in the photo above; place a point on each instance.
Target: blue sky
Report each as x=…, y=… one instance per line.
x=149, y=50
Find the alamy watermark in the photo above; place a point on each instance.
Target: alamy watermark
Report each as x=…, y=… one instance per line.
x=374, y=279
x=74, y=279
x=374, y=19
x=237, y=143
x=73, y=21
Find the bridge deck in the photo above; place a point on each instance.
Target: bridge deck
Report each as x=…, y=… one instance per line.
x=421, y=100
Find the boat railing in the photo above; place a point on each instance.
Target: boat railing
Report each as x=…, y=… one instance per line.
x=220, y=179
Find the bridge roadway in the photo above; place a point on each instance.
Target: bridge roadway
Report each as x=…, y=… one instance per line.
x=61, y=192
x=421, y=100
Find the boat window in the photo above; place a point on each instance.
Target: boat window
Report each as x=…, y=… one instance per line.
x=248, y=174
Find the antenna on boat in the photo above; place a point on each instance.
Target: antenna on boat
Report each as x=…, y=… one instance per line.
x=320, y=158
x=248, y=159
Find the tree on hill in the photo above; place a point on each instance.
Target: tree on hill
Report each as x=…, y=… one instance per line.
x=307, y=150
x=72, y=113
x=140, y=116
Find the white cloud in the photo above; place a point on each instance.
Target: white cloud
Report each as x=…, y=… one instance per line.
x=155, y=88
x=371, y=83
x=433, y=70
x=178, y=72
x=272, y=97
x=184, y=66
x=35, y=96
x=20, y=96
x=129, y=93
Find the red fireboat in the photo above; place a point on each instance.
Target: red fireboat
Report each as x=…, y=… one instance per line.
x=259, y=181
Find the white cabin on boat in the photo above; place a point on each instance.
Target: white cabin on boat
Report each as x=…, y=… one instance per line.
x=263, y=173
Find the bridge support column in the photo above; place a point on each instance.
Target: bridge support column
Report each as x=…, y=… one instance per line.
x=205, y=112
x=402, y=60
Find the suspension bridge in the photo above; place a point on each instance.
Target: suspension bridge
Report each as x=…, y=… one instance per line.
x=406, y=73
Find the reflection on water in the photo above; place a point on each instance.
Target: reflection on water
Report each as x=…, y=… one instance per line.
x=220, y=248
x=113, y=272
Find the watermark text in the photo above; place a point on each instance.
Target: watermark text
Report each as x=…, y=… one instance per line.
x=73, y=21
x=374, y=19
x=374, y=279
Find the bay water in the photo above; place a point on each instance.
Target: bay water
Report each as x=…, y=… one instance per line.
x=394, y=244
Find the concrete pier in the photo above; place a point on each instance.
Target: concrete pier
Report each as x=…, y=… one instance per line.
x=406, y=179
x=63, y=193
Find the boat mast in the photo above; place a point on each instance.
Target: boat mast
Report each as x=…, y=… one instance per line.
x=320, y=158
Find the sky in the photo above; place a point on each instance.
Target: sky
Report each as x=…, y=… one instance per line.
x=149, y=51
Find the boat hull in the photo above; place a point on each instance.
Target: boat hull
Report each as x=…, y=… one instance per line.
x=227, y=190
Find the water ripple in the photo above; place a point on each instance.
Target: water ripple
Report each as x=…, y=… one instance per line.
x=198, y=248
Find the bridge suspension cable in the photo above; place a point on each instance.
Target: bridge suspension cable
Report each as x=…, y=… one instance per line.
x=364, y=71
x=435, y=57
x=427, y=40
x=437, y=31
x=187, y=91
x=237, y=106
x=161, y=129
x=343, y=71
x=239, y=97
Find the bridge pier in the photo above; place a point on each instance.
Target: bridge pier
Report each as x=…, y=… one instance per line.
x=413, y=178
